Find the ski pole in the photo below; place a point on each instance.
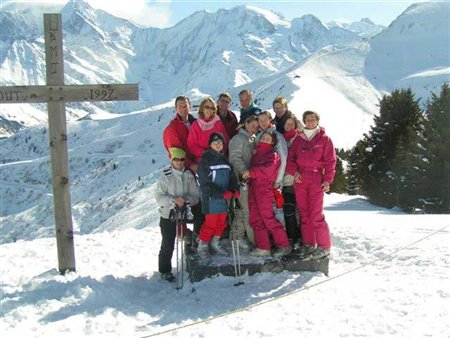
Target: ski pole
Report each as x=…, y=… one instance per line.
x=235, y=241
x=180, y=252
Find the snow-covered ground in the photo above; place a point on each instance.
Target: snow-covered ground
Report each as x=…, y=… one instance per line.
x=388, y=277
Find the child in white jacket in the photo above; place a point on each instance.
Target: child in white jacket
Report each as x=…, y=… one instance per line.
x=176, y=187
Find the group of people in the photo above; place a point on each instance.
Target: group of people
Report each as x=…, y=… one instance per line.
x=278, y=169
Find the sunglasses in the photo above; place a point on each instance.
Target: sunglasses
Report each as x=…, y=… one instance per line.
x=225, y=100
x=216, y=142
x=209, y=107
x=176, y=159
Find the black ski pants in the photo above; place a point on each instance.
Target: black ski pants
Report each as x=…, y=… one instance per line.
x=168, y=233
x=199, y=218
x=290, y=214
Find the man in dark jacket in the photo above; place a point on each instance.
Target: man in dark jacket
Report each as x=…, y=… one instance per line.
x=227, y=117
x=282, y=113
x=248, y=107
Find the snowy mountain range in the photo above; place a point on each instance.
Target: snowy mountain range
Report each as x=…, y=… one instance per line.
x=116, y=158
x=207, y=53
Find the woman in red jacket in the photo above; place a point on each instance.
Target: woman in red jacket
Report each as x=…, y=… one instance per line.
x=262, y=174
x=312, y=162
x=208, y=122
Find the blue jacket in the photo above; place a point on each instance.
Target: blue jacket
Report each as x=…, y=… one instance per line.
x=215, y=176
x=251, y=110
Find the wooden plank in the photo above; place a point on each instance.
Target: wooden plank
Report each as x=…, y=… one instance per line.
x=69, y=93
x=58, y=145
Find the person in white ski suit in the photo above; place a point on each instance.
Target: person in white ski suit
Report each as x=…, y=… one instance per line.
x=176, y=187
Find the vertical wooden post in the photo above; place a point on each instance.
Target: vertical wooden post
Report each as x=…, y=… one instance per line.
x=58, y=145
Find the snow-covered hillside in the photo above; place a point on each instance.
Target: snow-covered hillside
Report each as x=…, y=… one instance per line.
x=210, y=52
x=204, y=53
x=113, y=161
x=413, y=51
x=388, y=277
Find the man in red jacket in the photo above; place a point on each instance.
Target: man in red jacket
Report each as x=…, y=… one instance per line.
x=176, y=133
x=175, y=136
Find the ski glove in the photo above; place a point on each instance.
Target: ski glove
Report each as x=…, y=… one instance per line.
x=227, y=195
x=279, y=199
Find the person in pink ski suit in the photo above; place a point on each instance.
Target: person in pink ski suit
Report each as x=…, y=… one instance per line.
x=312, y=161
x=262, y=174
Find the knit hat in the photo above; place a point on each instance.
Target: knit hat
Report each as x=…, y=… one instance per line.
x=215, y=137
x=177, y=153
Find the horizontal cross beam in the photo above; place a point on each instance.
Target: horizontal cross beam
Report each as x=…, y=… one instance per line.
x=69, y=93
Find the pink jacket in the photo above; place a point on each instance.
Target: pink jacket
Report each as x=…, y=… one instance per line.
x=199, y=133
x=264, y=165
x=316, y=155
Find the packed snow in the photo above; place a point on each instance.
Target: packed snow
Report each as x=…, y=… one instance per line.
x=388, y=277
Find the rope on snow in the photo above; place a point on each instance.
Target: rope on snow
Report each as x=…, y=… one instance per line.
x=249, y=307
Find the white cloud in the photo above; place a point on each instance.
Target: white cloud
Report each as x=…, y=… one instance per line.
x=141, y=12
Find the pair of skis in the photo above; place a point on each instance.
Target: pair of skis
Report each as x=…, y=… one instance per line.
x=180, y=217
x=233, y=205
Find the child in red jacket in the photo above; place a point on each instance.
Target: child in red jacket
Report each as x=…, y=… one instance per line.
x=263, y=172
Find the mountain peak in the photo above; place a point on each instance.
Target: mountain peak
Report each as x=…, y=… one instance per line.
x=367, y=21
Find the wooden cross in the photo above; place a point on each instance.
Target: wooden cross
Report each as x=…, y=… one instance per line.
x=55, y=93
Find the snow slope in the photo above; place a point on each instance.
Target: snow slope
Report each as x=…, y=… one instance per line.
x=388, y=277
x=413, y=50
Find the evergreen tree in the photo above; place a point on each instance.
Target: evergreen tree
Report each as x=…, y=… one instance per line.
x=356, y=169
x=387, y=155
x=340, y=178
x=436, y=180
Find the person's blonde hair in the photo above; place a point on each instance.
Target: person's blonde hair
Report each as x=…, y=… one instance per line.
x=201, y=108
x=267, y=113
x=281, y=100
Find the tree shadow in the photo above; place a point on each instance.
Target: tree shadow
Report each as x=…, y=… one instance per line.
x=361, y=204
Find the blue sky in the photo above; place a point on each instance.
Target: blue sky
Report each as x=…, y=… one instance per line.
x=382, y=12
x=165, y=13
x=168, y=13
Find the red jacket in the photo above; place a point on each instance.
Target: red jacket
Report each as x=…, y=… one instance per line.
x=316, y=155
x=175, y=136
x=199, y=133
